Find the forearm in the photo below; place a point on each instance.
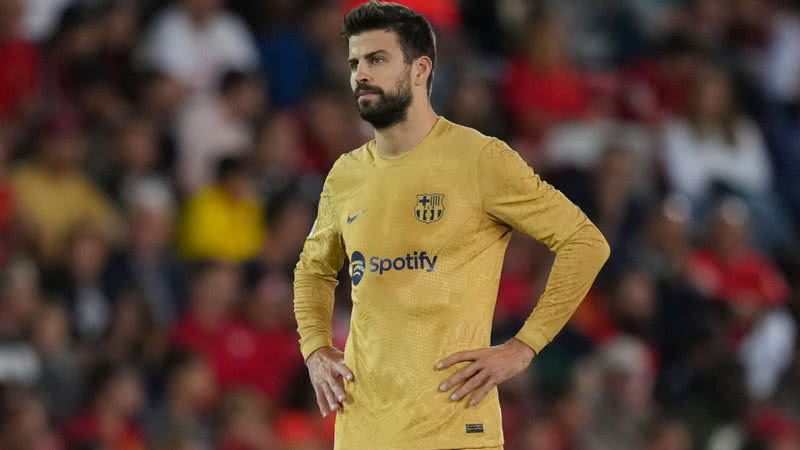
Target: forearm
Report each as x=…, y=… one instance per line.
x=313, y=309
x=576, y=265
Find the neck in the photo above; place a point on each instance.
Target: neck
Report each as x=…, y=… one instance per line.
x=402, y=137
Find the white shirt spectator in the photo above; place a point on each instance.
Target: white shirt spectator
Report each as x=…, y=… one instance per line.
x=197, y=54
x=782, y=68
x=694, y=162
x=42, y=17
x=767, y=352
x=206, y=134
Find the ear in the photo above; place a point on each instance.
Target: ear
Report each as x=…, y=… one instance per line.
x=422, y=70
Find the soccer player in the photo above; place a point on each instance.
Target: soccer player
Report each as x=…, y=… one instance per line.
x=424, y=212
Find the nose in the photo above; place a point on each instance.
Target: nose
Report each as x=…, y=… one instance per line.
x=362, y=75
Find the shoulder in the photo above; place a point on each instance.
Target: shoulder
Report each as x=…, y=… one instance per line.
x=349, y=166
x=467, y=141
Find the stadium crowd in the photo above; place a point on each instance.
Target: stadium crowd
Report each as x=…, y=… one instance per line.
x=160, y=164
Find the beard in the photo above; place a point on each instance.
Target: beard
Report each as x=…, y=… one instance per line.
x=387, y=109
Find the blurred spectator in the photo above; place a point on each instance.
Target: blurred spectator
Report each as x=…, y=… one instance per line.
x=473, y=105
x=54, y=196
x=61, y=381
x=131, y=334
x=19, y=300
x=41, y=18
x=275, y=363
x=712, y=148
x=333, y=127
x=627, y=377
x=668, y=434
x=148, y=264
x=657, y=86
x=244, y=423
x=7, y=202
x=24, y=422
x=195, y=41
x=290, y=220
x=607, y=196
x=109, y=420
x=210, y=327
x=187, y=404
x=19, y=73
x=732, y=271
x=224, y=221
x=133, y=159
x=542, y=87
x=217, y=128
x=302, y=51
x=711, y=142
x=281, y=159
x=729, y=268
x=80, y=280
x=665, y=245
x=782, y=65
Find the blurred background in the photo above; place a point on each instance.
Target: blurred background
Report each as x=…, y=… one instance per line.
x=160, y=164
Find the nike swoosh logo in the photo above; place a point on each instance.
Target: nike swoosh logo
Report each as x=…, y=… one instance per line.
x=351, y=219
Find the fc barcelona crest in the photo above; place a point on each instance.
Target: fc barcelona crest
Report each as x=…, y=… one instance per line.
x=430, y=207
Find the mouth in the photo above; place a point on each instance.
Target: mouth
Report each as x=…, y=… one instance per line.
x=366, y=94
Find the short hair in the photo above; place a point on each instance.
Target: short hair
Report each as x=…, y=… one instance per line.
x=232, y=79
x=413, y=30
x=230, y=166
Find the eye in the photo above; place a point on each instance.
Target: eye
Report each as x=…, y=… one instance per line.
x=353, y=65
x=377, y=59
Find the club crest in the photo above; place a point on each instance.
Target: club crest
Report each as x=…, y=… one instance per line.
x=429, y=208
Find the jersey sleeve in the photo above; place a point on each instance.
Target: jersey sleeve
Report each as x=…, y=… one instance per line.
x=512, y=194
x=315, y=276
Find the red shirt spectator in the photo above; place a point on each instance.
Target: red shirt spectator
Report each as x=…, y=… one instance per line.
x=748, y=275
x=19, y=83
x=556, y=92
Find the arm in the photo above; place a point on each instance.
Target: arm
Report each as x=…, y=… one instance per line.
x=315, y=277
x=514, y=195
x=314, y=286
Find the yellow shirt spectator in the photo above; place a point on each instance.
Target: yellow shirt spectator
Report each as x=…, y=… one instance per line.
x=54, y=204
x=220, y=225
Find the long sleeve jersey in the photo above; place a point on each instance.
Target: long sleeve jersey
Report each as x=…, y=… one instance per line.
x=425, y=234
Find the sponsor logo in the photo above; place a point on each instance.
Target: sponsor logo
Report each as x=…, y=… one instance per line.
x=418, y=261
x=356, y=267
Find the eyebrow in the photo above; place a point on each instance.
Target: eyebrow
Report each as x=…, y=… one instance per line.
x=367, y=56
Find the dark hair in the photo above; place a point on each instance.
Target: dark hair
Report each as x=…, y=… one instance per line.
x=414, y=32
x=232, y=79
x=230, y=165
x=178, y=361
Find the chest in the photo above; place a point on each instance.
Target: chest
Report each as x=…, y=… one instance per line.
x=402, y=209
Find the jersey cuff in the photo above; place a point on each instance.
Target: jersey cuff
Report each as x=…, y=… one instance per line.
x=532, y=338
x=314, y=343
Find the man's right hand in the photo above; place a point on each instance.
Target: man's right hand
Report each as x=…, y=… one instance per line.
x=328, y=374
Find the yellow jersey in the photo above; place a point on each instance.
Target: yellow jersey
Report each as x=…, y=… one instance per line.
x=425, y=233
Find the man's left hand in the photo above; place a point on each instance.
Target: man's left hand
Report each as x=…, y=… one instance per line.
x=490, y=367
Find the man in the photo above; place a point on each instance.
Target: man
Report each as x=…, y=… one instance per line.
x=425, y=212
